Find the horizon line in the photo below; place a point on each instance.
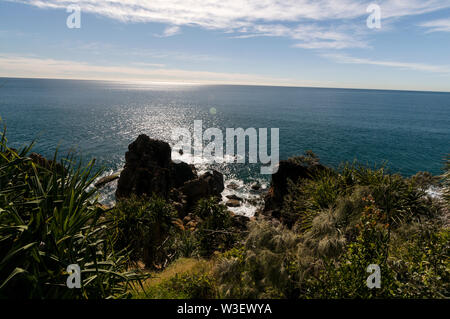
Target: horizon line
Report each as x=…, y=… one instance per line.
x=143, y=82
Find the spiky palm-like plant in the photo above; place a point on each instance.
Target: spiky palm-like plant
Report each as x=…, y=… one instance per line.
x=49, y=219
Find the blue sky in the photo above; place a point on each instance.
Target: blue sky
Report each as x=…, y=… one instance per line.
x=324, y=43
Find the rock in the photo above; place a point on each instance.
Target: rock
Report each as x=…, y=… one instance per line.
x=183, y=172
x=233, y=186
x=191, y=224
x=288, y=170
x=256, y=186
x=238, y=221
x=149, y=170
x=208, y=185
x=254, y=201
x=107, y=179
x=234, y=197
x=186, y=219
x=146, y=150
x=103, y=207
x=233, y=203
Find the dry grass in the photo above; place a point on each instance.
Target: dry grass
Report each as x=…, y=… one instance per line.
x=180, y=266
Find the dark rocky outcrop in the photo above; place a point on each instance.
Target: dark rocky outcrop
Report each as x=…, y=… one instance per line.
x=233, y=203
x=234, y=197
x=207, y=185
x=149, y=170
x=233, y=186
x=288, y=170
x=256, y=186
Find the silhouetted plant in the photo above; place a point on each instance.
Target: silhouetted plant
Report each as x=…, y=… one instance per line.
x=145, y=226
x=213, y=233
x=49, y=219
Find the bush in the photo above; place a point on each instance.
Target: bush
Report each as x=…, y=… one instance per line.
x=307, y=197
x=421, y=262
x=264, y=267
x=145, y=226
x=346, y=276
x=49, y=219
x=186, y=244
x=333, y=227
x=403, y=200
x=185, y=286
x=213, y=233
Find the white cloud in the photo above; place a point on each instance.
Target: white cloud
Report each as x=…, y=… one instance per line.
x=36, y=67
x=32, y=66
x=341, y=58
x=442, y=25
x=169, y=31
x=257, y=17
x=310, y=36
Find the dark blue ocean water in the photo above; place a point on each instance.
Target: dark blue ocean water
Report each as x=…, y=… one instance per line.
x=409, y=130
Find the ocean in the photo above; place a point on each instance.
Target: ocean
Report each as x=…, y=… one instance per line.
x=409, y=131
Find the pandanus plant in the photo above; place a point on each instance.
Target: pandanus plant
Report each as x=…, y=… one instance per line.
x=50, y=219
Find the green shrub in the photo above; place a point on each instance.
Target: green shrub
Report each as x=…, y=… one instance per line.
x=421, y=263
x=185, y=286
x=186, y=244
x=333, y=227
x=307, y=197
x=264, y=267
x=145, y=226
x=49, y=219
x=213, y=233
x=346, y=276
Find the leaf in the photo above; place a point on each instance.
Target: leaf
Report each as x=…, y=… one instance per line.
x=14, y=273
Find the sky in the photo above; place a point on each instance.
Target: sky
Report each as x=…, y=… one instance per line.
x=320, y=43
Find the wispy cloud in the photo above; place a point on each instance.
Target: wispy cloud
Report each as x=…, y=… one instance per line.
x=169, y=31
x=149, y=65
x=296, y=19
x=442, y=25
x=310, y=36
x=341, y=58
x=33, y=66
x=119, y=51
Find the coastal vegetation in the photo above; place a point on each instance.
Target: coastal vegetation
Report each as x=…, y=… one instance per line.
x=50, y=219
x=169, y=236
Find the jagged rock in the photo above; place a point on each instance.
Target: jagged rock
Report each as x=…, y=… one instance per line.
x=183, y=172
x=256, y=186
x=288, y=170
x=149, y=169
x=234, y=197
x=233, y=203
x=187, y=219
x=254, y=201
x=233, y=186
x=207, y=185
x=107, y=179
